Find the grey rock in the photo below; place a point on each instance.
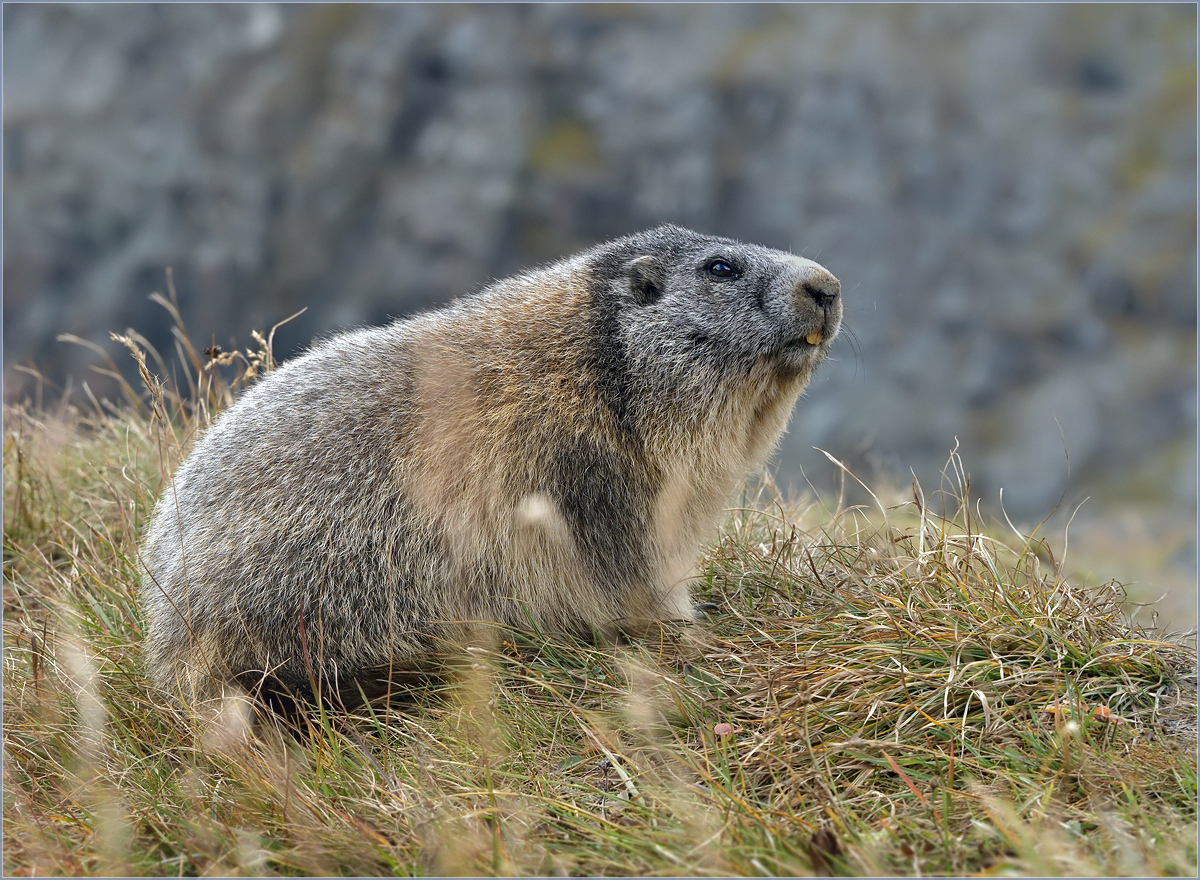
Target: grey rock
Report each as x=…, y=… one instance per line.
x=1006, y=192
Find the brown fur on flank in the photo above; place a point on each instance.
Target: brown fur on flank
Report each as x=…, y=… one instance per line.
x=551, y=451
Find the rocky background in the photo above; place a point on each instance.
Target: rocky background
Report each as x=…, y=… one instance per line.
x=1007, y=192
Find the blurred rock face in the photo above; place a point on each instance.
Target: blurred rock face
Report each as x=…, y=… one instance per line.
x=1006, y=192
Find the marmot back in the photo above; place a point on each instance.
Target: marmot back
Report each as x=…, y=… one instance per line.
x=552, y=451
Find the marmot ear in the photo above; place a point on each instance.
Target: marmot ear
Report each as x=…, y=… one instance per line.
x=646, y=279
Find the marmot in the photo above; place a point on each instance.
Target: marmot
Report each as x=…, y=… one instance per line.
x=551, y=451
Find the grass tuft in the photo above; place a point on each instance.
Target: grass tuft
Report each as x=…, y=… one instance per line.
x=903, y=689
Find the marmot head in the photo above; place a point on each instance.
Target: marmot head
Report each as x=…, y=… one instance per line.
x=684, y=301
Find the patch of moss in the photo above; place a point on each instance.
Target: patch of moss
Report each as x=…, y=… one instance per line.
x=566, y=146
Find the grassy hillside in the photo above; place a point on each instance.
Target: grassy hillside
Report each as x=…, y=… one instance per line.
x=887, y=690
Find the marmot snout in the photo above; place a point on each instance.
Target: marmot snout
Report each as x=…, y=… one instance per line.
x=553, y=450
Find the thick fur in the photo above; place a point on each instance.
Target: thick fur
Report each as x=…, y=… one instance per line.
x=551, y=451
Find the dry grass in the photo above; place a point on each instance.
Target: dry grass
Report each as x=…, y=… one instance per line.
x=893, y=690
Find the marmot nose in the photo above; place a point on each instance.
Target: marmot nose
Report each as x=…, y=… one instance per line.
x=820, y=286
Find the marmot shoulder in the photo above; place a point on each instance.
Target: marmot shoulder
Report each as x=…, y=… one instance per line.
x=552, y=450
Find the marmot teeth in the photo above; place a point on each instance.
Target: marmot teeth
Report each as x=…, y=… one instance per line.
x=813, y=338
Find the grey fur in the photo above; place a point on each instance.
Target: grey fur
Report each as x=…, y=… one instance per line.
x=552, y=450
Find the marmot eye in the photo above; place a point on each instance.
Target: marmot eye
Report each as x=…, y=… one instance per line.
x=721, y=269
